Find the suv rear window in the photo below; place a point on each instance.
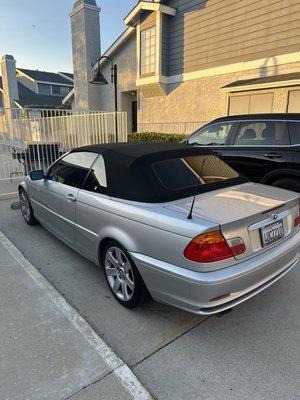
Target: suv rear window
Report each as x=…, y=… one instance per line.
x=189, y=172
x=295, y=132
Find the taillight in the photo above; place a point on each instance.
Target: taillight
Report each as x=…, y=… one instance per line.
x=212, y=246
x=297, y=219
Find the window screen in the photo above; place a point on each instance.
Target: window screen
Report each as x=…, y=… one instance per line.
x=188, y=172
x=148, y=46
x=262, y=133
x=72, y=169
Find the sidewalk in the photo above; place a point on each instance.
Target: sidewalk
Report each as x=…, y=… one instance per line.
x=46, y=349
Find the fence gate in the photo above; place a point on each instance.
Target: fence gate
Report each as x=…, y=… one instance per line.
x=35, y=138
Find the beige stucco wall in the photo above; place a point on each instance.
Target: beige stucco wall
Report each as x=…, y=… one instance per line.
x=125, y=58
x=201, y=100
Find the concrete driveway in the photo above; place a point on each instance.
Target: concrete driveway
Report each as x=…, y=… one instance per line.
x=250, y=353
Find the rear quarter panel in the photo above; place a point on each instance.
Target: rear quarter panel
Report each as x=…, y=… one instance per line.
x=146, y=229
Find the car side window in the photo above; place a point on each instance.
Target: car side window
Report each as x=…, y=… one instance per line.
x=72, y=169
x=212, y=135
x=295, y=132
x=96, y=181
x=262, y=133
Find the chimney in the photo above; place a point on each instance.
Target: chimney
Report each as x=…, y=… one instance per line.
x=85, y=25
x=9, y=81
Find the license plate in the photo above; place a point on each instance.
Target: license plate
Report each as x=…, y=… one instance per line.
x=271, y=233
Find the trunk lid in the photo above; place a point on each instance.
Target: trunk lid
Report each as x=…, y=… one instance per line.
x=243, y=211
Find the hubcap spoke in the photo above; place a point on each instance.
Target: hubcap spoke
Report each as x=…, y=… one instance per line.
x=124, y=291
x=116, y=286
x=119, y=257
x=112, y=259
x=129, y=282
x=112, y=271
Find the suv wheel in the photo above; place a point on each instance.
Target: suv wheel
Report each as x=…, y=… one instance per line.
x=288, y=183
x=122, y=276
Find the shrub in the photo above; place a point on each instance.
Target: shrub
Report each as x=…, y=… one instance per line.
x=156, y=137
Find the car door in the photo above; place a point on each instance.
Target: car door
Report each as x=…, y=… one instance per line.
x=56, y=195
x=216, y=136
x=259, y=147
x=92, y=210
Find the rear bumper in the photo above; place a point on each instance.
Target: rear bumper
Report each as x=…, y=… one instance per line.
x=194, y=291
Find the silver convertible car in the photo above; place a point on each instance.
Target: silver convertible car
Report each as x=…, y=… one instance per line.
x=169, y=220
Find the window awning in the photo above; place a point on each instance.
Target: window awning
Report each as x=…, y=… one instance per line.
x=266, y=82
x=132, y=18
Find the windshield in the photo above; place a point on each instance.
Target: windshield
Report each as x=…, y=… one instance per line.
x=187, y=172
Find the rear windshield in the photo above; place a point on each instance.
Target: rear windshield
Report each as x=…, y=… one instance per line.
x=193, y=171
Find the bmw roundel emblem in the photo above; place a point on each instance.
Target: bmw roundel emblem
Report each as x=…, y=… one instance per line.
x=274, y=216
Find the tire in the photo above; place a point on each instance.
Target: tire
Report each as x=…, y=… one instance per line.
x=288, y=183
x=122, y=276
x=26, y=209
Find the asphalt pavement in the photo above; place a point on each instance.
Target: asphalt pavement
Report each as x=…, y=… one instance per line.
x=250, y=353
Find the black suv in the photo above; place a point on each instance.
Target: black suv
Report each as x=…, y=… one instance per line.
x=264, y=148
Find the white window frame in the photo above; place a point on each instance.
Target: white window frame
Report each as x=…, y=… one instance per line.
x=148, y=43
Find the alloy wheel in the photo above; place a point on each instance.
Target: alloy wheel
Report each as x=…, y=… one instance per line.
x=119, y=273
x=25, y=206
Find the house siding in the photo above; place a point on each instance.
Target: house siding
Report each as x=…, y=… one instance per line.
x=210, y=33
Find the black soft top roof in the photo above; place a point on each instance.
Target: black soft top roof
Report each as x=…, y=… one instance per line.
x=129, y=172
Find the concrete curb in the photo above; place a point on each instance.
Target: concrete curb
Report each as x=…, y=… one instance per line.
x=7, y=196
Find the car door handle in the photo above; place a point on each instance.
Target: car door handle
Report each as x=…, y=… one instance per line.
x=71, y=198
x=273, y=155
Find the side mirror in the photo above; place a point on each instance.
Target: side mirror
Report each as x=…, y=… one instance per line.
x=37, y=175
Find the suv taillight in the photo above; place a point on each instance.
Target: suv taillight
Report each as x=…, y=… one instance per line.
x=212, y=246
x=297, y=219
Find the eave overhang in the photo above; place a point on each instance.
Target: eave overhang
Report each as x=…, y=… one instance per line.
x=268, y=82
x=132, y=19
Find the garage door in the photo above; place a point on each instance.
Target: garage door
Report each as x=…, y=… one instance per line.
x=294, y=101
x=251, y=104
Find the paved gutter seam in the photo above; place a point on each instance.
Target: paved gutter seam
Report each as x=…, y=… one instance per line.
x=118, y=366
x=171, y=341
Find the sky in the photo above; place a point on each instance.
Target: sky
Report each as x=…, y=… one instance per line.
x=38, y=32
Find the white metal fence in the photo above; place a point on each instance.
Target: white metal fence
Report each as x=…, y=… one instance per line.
x=170, y=127
x=34, y=139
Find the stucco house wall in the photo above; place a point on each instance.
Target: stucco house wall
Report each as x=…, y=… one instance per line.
x=125, y=58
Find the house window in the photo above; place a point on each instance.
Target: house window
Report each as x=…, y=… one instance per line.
x=43, y=88
x=148, y=47
x=60, y=90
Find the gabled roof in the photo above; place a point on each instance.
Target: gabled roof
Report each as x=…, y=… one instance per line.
x=133, y=17
x=43, y=76
x=30, y=99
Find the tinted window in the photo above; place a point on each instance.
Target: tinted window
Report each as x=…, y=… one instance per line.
x=295, y=132
x=215, y=134
x=262, y=133
x=72, y=169
x=187, y=172
x=96, y=179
